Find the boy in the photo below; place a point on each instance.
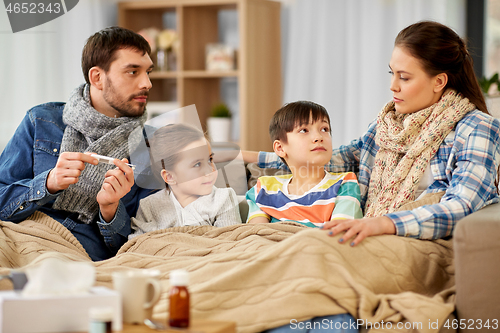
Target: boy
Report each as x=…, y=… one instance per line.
x=301, y=137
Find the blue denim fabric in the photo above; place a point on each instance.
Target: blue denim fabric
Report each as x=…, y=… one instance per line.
x=342, y=323
x=24, y=166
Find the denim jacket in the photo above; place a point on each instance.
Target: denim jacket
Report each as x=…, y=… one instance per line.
x=25, y=164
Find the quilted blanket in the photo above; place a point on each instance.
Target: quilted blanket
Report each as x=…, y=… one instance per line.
x=264, y=276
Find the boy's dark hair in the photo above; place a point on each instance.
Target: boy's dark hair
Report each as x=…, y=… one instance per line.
x=100, y=49
x=292, y=115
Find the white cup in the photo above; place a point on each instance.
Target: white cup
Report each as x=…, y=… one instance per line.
x=140, y=291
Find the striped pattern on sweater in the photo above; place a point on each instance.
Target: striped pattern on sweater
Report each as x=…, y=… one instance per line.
x=337, y=196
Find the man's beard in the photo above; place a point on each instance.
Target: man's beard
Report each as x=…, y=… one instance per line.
x=124, y=106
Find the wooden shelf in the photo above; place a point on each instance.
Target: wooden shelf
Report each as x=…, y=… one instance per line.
x=193, y=74
x=258, y=57
x=163, y=75
x=209, y=74
x=158, y=4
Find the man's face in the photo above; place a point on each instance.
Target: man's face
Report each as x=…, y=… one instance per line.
x=126, y=84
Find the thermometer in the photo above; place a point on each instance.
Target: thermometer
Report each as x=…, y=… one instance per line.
x=109, y=160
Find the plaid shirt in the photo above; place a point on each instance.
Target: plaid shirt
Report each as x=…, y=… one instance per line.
x=465, y=166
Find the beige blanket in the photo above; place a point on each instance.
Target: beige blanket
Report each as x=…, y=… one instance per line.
x=263, y=276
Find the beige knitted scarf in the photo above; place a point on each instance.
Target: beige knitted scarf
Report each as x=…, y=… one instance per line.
x=407, y=142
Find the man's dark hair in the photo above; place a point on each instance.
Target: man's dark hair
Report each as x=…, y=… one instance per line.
x=100, y=49
x=292, y=115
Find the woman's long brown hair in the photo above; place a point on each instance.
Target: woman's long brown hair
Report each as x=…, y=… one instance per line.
x=441, y=50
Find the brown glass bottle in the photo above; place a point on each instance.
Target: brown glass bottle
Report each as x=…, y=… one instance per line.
x=179, y=299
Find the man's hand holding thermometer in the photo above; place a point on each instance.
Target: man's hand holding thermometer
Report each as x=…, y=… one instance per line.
x=117, y=183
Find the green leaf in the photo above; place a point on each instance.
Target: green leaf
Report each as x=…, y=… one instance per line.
x=220, y=111
x=486, y=83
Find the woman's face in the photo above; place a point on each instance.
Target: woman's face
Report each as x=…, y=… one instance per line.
x=413, y=89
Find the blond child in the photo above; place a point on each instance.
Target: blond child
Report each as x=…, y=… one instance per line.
x=183, y=157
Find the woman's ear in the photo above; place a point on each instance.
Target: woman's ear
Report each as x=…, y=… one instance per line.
x=279, y=149
x=440, y=82
x=96, y=77
x=167, y=177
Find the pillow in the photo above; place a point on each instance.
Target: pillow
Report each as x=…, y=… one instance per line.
x=235, y=175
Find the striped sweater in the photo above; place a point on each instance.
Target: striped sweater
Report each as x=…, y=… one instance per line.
x=337, y=196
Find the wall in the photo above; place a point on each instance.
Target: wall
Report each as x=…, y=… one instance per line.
x=42, y=64
x=335, y=52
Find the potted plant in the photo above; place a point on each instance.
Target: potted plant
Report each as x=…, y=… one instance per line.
x=219, y=123
x=491, y=91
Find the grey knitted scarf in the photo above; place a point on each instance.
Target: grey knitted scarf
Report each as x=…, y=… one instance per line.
x=88, y=130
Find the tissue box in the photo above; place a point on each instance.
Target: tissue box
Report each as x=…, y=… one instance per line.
x=33, y=314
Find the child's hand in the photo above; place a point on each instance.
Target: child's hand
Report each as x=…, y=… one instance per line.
x=360, y=228
x=117, y=183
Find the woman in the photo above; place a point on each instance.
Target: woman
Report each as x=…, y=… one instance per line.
x=431, y=157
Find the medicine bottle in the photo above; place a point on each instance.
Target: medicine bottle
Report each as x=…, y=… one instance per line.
x=100, y=319
x=179, y=299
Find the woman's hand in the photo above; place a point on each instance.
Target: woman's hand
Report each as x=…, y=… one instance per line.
x=360, y=228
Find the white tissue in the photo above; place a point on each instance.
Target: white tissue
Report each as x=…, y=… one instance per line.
x=57, y=277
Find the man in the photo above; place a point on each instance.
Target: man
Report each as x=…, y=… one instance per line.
x=47, y=166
